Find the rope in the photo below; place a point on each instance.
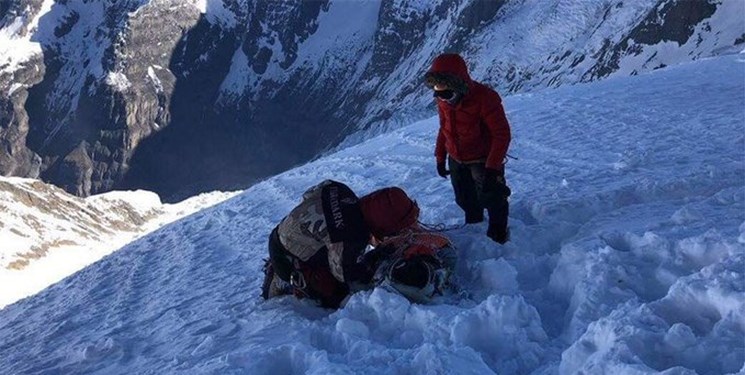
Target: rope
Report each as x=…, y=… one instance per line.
x=440, y=227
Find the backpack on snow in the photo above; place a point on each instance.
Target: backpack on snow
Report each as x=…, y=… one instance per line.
x=417, y=265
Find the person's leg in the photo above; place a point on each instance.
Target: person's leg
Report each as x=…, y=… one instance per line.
x=498, y=222
x=319, y=283
x=280, y=258
x=325, y=288
x=466, y=194
x=277, y=269
x=493, y=196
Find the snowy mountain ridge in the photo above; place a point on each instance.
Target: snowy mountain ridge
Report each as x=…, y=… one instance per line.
x=47, y=234
x=119, y=99
x=627, y=256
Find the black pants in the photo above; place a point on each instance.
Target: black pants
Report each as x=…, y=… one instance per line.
x=282, y=260
x=468, y=185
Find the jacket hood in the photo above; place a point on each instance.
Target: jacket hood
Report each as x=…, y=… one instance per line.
x=388, y=211
x=450, y=70
x=453, y=64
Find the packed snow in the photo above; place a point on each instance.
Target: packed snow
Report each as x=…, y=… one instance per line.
x=118, y=81
x=627, y=256
x=215, y=11
x=236, y=81
x=16, y=43
x=15, y=49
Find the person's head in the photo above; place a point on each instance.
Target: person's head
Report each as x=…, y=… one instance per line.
x=388, y=211
x=448, y=77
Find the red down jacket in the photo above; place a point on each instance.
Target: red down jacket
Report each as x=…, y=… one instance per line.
x=475, y=128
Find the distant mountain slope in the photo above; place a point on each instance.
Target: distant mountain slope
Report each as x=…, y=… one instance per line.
x=226, y=92
x=627, y=256
x=46, y=234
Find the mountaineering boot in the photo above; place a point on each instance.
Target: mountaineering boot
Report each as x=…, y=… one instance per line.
x=474, y=217
x=498, y=235
x=273, y=286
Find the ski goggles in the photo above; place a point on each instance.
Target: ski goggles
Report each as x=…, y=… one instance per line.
x=444, y=94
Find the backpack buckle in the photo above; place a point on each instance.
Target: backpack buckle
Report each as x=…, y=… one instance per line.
x=297, y=280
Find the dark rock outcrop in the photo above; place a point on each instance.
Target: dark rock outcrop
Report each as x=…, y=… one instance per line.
x=15, y=158
x=101, y=109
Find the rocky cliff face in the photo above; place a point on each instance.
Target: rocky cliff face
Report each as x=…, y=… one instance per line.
x=16, y=75
x=186, y=96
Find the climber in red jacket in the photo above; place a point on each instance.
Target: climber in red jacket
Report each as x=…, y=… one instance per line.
x=474, y=137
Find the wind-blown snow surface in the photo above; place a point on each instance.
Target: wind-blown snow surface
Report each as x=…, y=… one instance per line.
x=628, y=256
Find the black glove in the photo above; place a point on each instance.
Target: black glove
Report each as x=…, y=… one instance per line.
x=494, y=184
x=490, y=180
x=441, y=170
x=370, y=262
x=372, y=258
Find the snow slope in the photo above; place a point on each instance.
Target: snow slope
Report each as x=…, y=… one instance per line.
x=47, y=234
x=628, y=256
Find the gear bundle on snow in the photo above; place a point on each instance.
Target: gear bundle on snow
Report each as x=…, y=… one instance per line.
x=418, y=265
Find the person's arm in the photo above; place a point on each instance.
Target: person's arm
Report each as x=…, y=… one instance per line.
x=440, y=150
x=495, y=119
x=343, y=261
x=347, y=234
